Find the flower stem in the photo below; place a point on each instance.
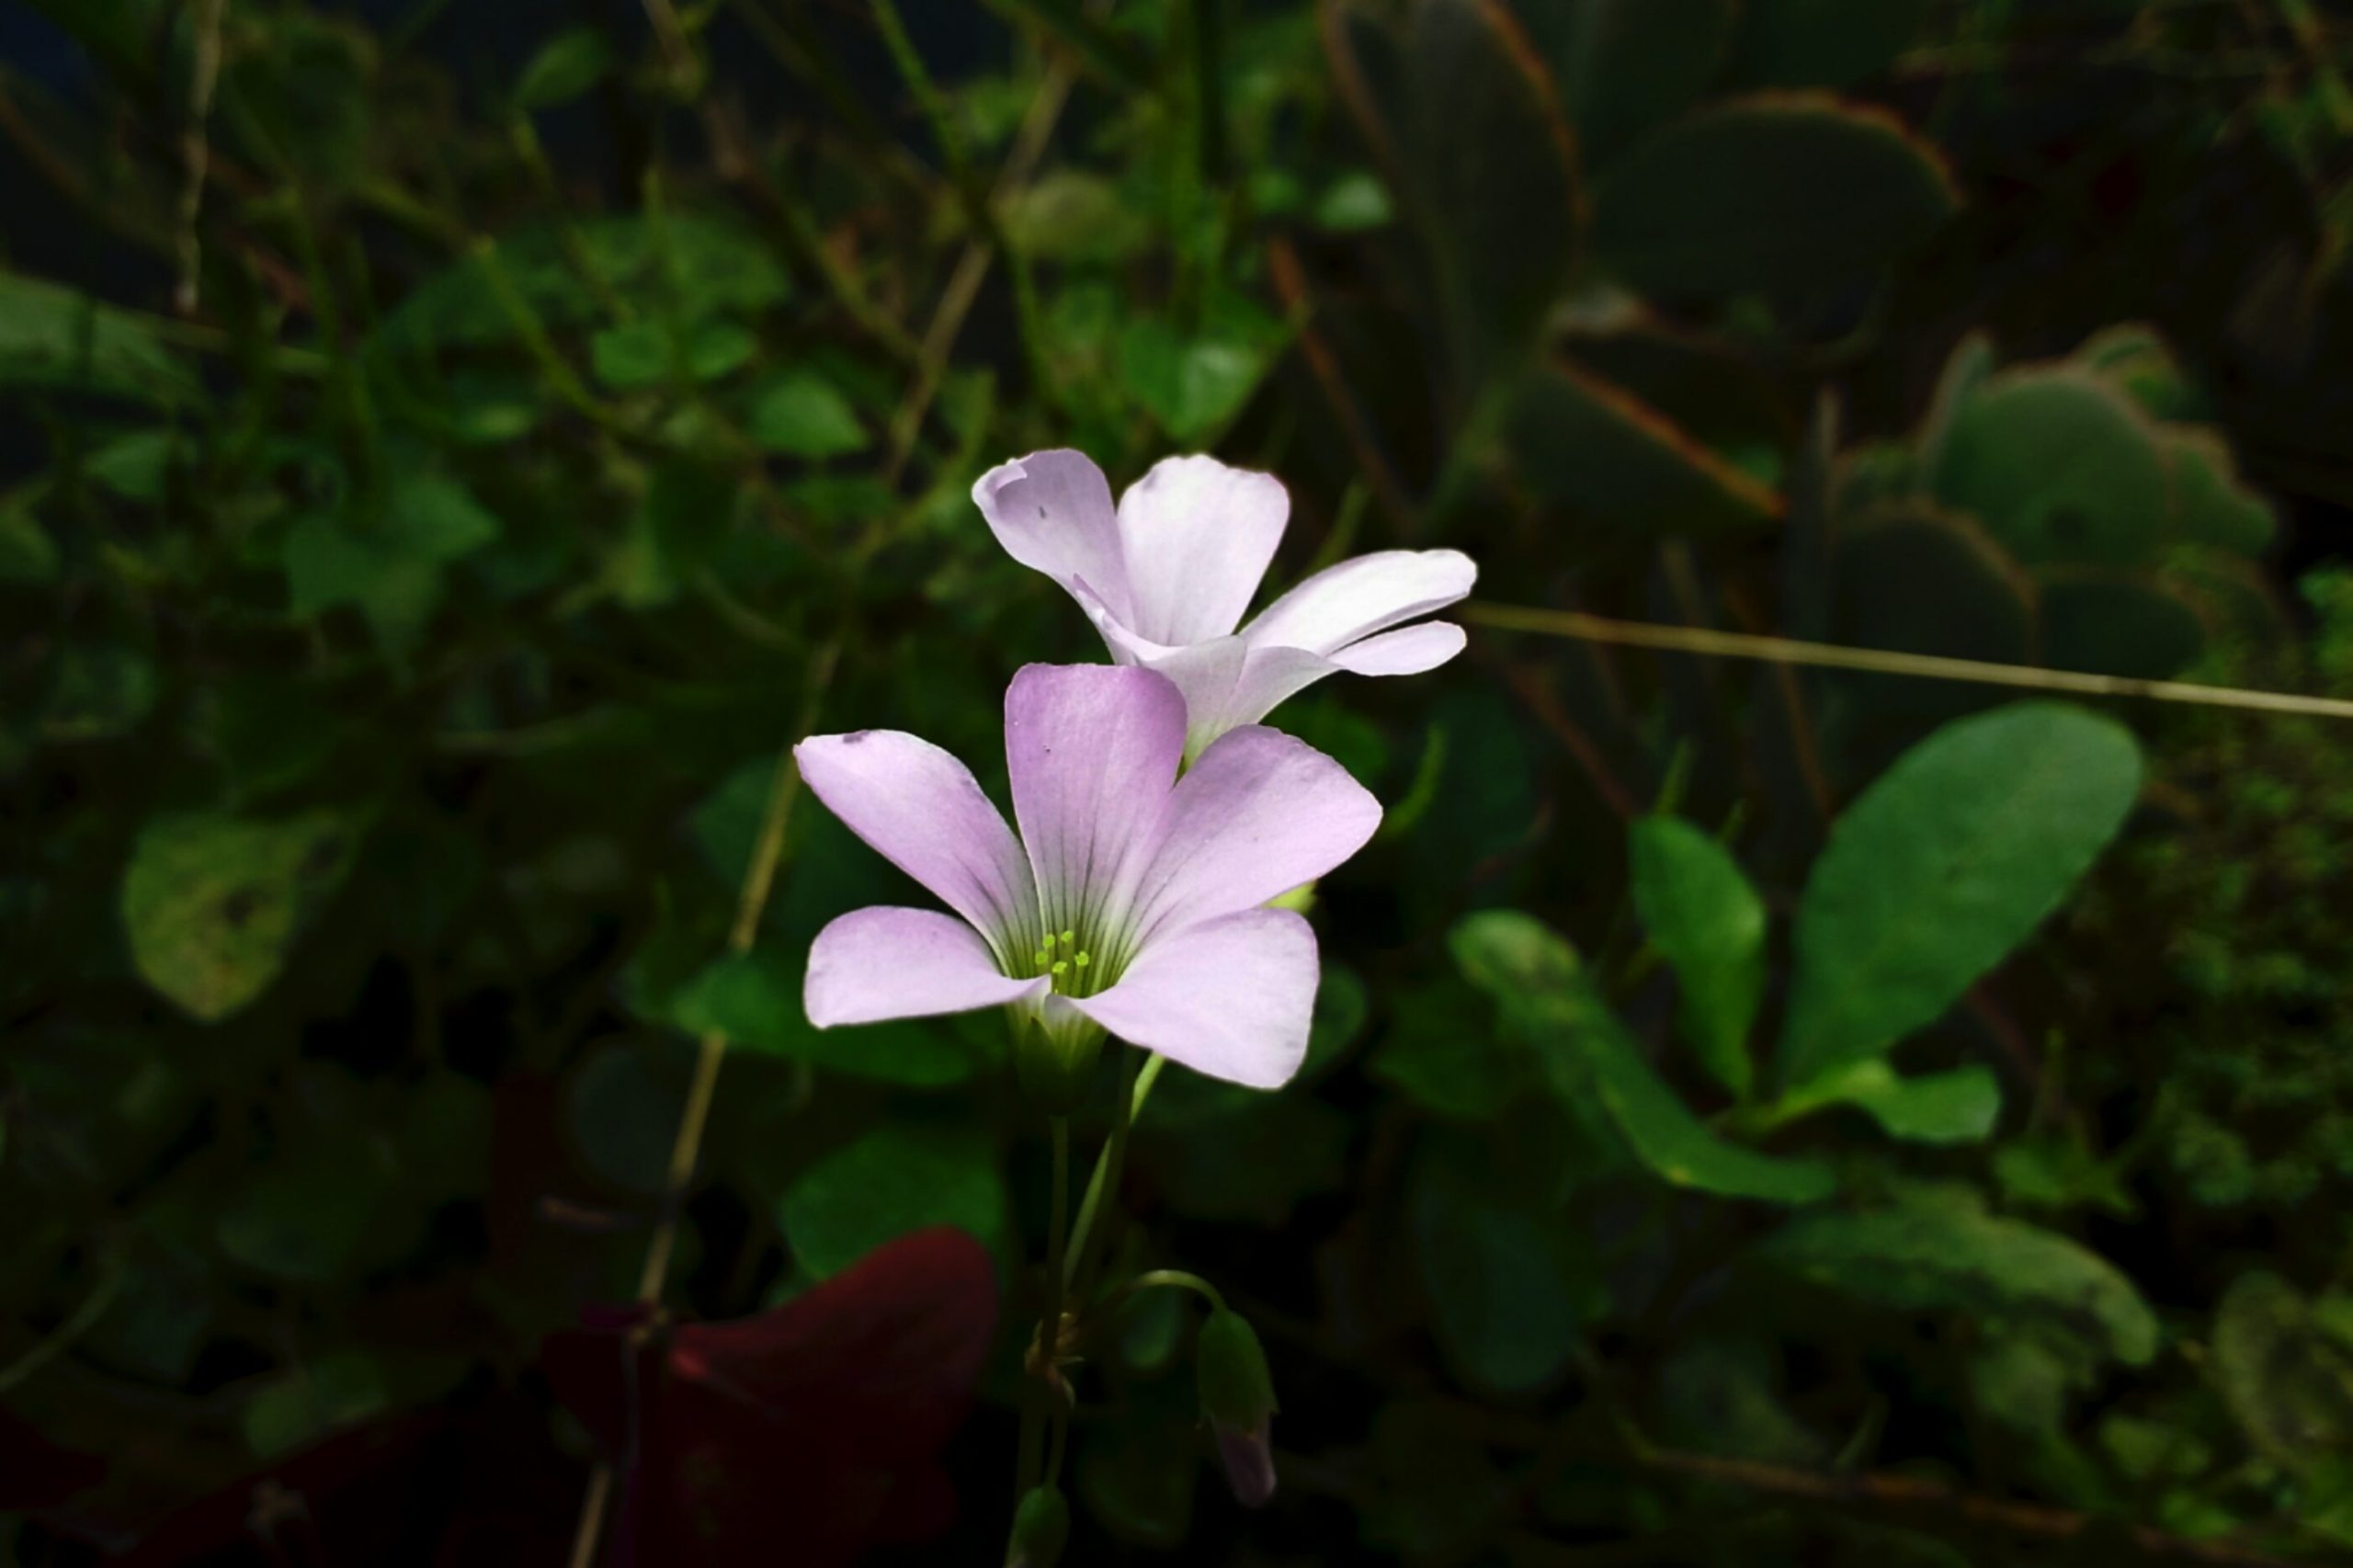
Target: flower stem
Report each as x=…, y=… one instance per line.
x=1109, y=1163
x=1176, y=1279
x=1040, y=1398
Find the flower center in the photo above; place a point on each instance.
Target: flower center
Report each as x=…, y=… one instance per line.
x=1067, y=963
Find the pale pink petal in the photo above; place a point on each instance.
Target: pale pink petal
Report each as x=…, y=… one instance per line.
x=1231, y=998
x=923, y=811
x=1198, y=537
x=882, y=962
x=1257, y=815
x=1407, y=652
x=1052, y=512
x=1092, y=750
x=1209, y=675
x=1271, y=674
x=1347, y=603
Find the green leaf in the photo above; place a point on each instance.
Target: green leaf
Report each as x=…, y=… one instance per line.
x=1946, y=862
x=637, y=355
x=565, y=66
x=1952, y=1258
x=1718, y=1396
x=2290, y=1387
x=54, y=336
x=1240, y=1155
x=1700, y=909
x=754, y=1000
x=1598, y=450
x=623, y=1104
x=894, y=1179
x=563, y=275
x=389, y=564
x=2118, y=623
x=96, y=691
x=1507, y=1290
x=2059, y=467
x=27, y=552
x=1588, y=1054
x=1354, y=202
x=1191, y=386
x=1440, y=1052
x=1137, y=1479
x=308, y=1215
x=213, y=904
x=1623, y=66
x=1432, y=1489
x=1494, y=166
x=296, y=1409
x=137, y=466
x=1780, y=192
x=1822, y=43
x=1070, y=215
x=799, y=413
x=2209, y=505
x=1914, y=579
x=1959, y=1107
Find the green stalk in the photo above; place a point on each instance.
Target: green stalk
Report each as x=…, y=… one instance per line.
x=1135, y=1086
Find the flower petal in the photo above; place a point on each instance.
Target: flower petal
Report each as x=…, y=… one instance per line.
x=1092, y=750
x=1052, y=513
x=1351, y=601
x=886, y=962
x=923, y=812
x=1257, y=815
x=1269, y=675
x=1232, y=998
x=1198, y=537
x=1406, y=652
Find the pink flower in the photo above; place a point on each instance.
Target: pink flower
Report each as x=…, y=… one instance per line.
x=1166, y=576
x=1132, y=902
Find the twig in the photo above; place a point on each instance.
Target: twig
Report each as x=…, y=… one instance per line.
x=970, y=193
x=1530, y=688
x=1926, y=666
x=196, y=152
x=972, y=267
x=1905, y=1491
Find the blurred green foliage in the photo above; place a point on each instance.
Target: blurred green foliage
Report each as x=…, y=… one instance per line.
x=1752, y=1116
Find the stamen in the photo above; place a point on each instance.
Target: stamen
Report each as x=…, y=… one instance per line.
x=1082, y=961
x=1059, y=967
x=1070, y=936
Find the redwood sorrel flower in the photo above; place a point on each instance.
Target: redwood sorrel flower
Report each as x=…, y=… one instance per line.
x=1133, y=901
x=1166, y=576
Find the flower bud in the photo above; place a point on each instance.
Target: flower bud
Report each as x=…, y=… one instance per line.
x=1040, y=1529
x=1238, y=1398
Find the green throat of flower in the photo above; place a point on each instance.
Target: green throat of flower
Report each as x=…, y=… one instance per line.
x=1063, y=960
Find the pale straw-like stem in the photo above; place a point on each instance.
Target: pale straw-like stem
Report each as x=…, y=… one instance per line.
x=1925, y=667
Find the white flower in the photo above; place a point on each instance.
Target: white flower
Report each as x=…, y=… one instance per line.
x=1166, y=576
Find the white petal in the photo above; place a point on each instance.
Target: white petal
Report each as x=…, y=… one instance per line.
x=1407, y=652
x=1231, y=998
x=923, y=811
x=883, y=962
x=1347, y=603
x=1198, y=536
x=1052, y=513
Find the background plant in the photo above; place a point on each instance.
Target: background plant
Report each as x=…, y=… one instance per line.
x=451, y=457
